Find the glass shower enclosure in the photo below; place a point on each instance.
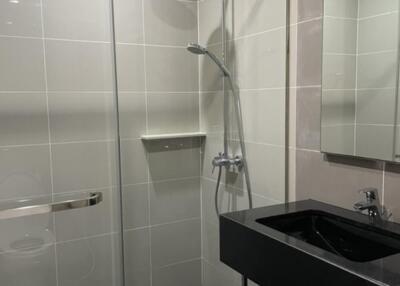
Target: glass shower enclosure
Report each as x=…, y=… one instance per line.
x=59, y=200
x=88, y=195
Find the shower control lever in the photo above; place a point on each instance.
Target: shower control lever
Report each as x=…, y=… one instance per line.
x=223, y=160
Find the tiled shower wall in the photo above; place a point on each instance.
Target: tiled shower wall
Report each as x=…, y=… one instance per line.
x=57, y=136
x=331, y=179
x=256, y=54
x=158, y=93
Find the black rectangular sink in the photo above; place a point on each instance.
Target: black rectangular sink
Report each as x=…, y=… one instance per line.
x=310, y=243
x=335, y=234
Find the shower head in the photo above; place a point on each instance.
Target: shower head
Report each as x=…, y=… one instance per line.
x=200, y=50
x=196, y=49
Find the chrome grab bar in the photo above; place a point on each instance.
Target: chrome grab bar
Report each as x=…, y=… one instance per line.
x=94, y=199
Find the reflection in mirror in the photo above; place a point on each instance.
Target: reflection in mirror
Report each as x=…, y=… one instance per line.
x=360, y=78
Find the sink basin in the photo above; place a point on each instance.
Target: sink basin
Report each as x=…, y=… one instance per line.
x=310, y=243
x=335, y=234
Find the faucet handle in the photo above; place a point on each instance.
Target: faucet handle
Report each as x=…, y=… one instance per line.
x=370, y=193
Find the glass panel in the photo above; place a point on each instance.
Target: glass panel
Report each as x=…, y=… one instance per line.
x=360, y=70
x=168, y=185
x=58, y=142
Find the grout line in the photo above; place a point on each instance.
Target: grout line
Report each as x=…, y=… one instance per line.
x=307, y=21
x=376, y=53
x=63, y=143
x=257, y=34
x=152, y=45
x=149, y=226
x=339, y=54
x=377, y=15
x=180, y=262
x=340, y=18
x=147, y=131
x=86, y=238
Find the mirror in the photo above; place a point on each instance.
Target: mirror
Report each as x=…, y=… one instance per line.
x=360, y=79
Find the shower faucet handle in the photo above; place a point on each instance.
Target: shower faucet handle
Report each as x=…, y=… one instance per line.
x=222, y=160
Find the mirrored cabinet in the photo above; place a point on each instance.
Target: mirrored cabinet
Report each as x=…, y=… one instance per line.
x=360, y=79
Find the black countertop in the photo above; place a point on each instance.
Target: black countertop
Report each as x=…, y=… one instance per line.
x=384, y=271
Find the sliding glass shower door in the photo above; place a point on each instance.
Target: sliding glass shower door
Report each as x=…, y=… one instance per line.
x=58, y=147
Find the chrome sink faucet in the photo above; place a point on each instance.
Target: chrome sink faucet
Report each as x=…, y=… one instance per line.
x=372, y=205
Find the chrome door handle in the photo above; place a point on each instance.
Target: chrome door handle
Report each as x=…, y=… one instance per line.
x=93, y=199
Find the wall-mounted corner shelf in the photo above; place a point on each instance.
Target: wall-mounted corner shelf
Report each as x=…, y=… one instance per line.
x=172, y=136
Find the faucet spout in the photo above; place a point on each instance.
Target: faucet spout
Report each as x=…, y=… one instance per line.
x=372, y=204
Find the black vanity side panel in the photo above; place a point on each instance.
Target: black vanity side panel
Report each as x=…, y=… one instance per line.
x=269, y=262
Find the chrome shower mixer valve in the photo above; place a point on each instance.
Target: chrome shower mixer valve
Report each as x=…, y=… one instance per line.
x=227, y=161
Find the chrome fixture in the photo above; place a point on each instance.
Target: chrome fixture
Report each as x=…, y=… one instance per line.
x=372, y=205
x=226, y=161
x=200, y=50
x=93, y=199
x=223, y=159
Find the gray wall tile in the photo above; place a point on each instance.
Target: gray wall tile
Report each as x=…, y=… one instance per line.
x=90, y=221
x=173, y=112
x=83, y=66
x=78, y=20
x=135, y=206
x=130, y=67
x=171, y=69
x=132, y=114
x=137, y=257
x=309, y=9
x=23, y=19
x=182, y=274
x=308, y=118
x=174, y=200
x=78, y=166
x=25, y=56
x=332, y=182
x=309, y=43
x=81, y=116
x=267, y=121
x=128, y=17
x=175, y=242
x=23, y=119
x=25, y=171
x=85, y=262
x=170, y=22
x=134, y=164
x=34, y=270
